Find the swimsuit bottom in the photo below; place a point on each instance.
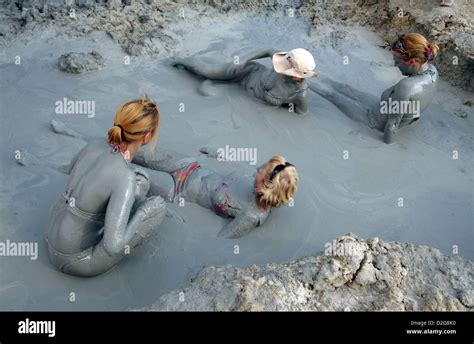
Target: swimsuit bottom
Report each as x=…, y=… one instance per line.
x=181, y=176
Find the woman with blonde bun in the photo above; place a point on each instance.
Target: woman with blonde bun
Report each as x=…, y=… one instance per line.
x=401, y=104
x=104, y=213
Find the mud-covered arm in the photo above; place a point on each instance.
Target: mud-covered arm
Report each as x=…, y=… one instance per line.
x=153, y=183
x=401, y=93
x=240, y=226
x=142, y=181
x=300, y=102
x=118, y=231
x=142, y=159
x=258, y=54
x=168, y=161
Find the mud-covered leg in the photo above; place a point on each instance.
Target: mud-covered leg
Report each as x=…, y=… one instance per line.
x=149, y=216
x=366, y=99
x=157, y=183
x=146, y=219
x=213, y=71
x=352, y=108
x=167, y=161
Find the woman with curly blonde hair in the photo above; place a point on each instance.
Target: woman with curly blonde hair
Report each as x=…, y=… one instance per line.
x=245, y=198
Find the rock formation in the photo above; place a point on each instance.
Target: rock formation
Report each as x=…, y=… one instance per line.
x=352, y=275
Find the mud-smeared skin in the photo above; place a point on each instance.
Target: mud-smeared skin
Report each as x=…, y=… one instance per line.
x=231, y=195
x=104, y=213
x=260, y=81
x=418, y=86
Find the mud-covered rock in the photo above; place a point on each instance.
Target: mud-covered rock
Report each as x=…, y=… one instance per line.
x=352, y=275
x=79, y=63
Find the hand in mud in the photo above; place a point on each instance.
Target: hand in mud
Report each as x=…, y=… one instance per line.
x=240, y=226
x=211, y=152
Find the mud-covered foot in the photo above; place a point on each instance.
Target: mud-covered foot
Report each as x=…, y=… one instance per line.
x=60, y=128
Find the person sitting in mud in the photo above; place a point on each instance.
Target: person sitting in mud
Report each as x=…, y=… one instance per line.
x=246, y=198
x=104, y=213
x=284, y=85
x=399, y=105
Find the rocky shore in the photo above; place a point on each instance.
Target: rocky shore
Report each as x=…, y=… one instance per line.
x=351, y=275
x=151, y=27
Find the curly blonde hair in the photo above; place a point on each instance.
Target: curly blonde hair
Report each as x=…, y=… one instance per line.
x=277, y=187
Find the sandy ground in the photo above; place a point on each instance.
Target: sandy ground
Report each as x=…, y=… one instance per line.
x=336, y=196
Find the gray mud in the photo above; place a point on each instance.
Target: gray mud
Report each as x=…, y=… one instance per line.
x=336, y=195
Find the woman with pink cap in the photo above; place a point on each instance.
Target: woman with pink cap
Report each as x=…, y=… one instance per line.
x=284, y=85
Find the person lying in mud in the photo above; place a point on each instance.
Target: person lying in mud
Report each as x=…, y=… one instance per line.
x=284, y=85
x=246, y=198
x=104, y=213
x=399, y=105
